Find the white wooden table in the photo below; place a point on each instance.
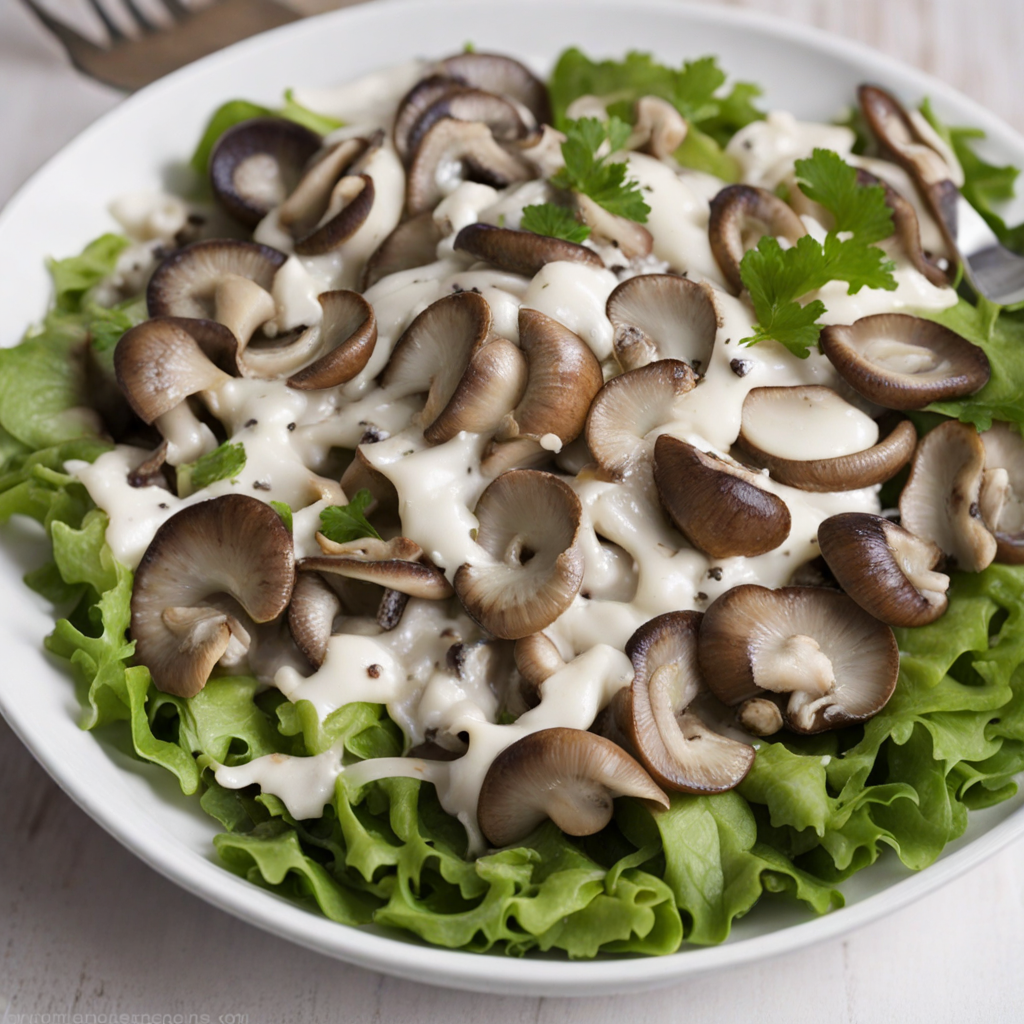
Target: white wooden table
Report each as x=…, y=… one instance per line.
x=87, y=929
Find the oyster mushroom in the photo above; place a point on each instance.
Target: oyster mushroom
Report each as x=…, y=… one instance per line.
x=658, y=127
x=742, y=214
x=412, y=244
x=792, y=431
x=672, y=742
x=471, y=377
x=941, y=500
x=504, y=118
x=350, y=204
x=500, y=74
x=314, y=607
x=160, y=363
x=567, y=775
x=837, y=663
x=256, y=164
x=520, y=252
x=633, y=240
x=537, y=659
x=629, y=408
x=529, y=526
x=904, y=362
x=424, y=94
x=717, y=505
x=760, y=716
x=458, y=150
x=185, y=283
x=1002, y=491
x=233, y=544
x=887, y=570
x=242, y=306
x=663, y=316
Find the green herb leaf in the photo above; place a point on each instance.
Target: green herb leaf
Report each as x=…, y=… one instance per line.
x=827, y=179
x=342, y=523
x=554, y=221
x=984, y=183
x=694, y=89
x=107, y=325
x=222, y=463
x=603, y=181
x=292, y=110
x=284, y=510
x=74, y=276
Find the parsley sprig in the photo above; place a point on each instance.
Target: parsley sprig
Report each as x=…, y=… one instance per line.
x=776, y=278
x=224, y=462
x=598, y=177
x=555, y=222
x=342, y=523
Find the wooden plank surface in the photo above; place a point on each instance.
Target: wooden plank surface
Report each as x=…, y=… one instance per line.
x=86, y=928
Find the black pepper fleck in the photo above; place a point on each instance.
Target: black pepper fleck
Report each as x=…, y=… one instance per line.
x=701, y=596
x=715, y=572
x=260, y=485
x=163, y=505
x=374, y=671
x=291, y=426
x=250, y=423
x=741, y=367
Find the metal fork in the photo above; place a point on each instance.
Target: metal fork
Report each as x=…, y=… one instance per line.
x=132, y=61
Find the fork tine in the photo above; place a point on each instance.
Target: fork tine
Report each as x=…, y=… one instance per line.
x=176, y=9
x=67, y=36
x=116, y=35
x=140, y=19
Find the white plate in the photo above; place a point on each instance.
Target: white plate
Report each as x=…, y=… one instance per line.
x=137, y=146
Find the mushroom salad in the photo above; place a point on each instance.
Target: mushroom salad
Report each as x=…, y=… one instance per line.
x=486, y=450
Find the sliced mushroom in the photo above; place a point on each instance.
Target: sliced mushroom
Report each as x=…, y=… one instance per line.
x=632, y=239
x=311, y=614
x=904, y=362
x=658, y=127
x=256, y=164
x=458, y=150
x=663, y=316
x=503, y=75
x=502, y=117
x=888, y=571
x=901, y=140
x=347, y=334
x=760, y=716
x=941, y=500
x=567, y=775
x=537, y=659
x=412, y=244
x=350, y=205
x=185, y=283
x=672, y=742
x=790, y=430
x=740, y=216
x=423, y=95
x=520, y=252
x=564, y=377
x=1002, y=491
x=906, y=229
x=629, y=407
x=232, y=544
x=307, y=206
x=529, y=525
x=718, y=506
x=837, y=663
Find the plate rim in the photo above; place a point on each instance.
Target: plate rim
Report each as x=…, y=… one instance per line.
x=216, y=885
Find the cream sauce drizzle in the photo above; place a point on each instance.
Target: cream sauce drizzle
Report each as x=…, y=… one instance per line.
x=637, y=566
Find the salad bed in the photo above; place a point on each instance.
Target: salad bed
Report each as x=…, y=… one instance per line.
x=812, y=811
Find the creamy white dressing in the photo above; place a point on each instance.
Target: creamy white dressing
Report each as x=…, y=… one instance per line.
x=636, y=565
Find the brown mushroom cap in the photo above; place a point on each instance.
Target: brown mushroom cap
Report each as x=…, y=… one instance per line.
x=412, y=244
x=838, y=663
x=941, y=500
x=564, y=377
x=720, y=508
x=233, y=544
x=766, y=409
x=468, y=144
x=419, y=98
x=537, y=659
x=500, y=74
x=257, y=163
x=663, y=316
x=162, y=361
x=529, y=525
x=350, y=204
x=629, y=407
x=1002, y=491
x=567, y=775
x=888, y=571
x=185, y=283
x=463, y=104
x=904, y=362
x=347, y=334
x=740, y=216
x=672, y=743
x=520, y=252
x=314, y=607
